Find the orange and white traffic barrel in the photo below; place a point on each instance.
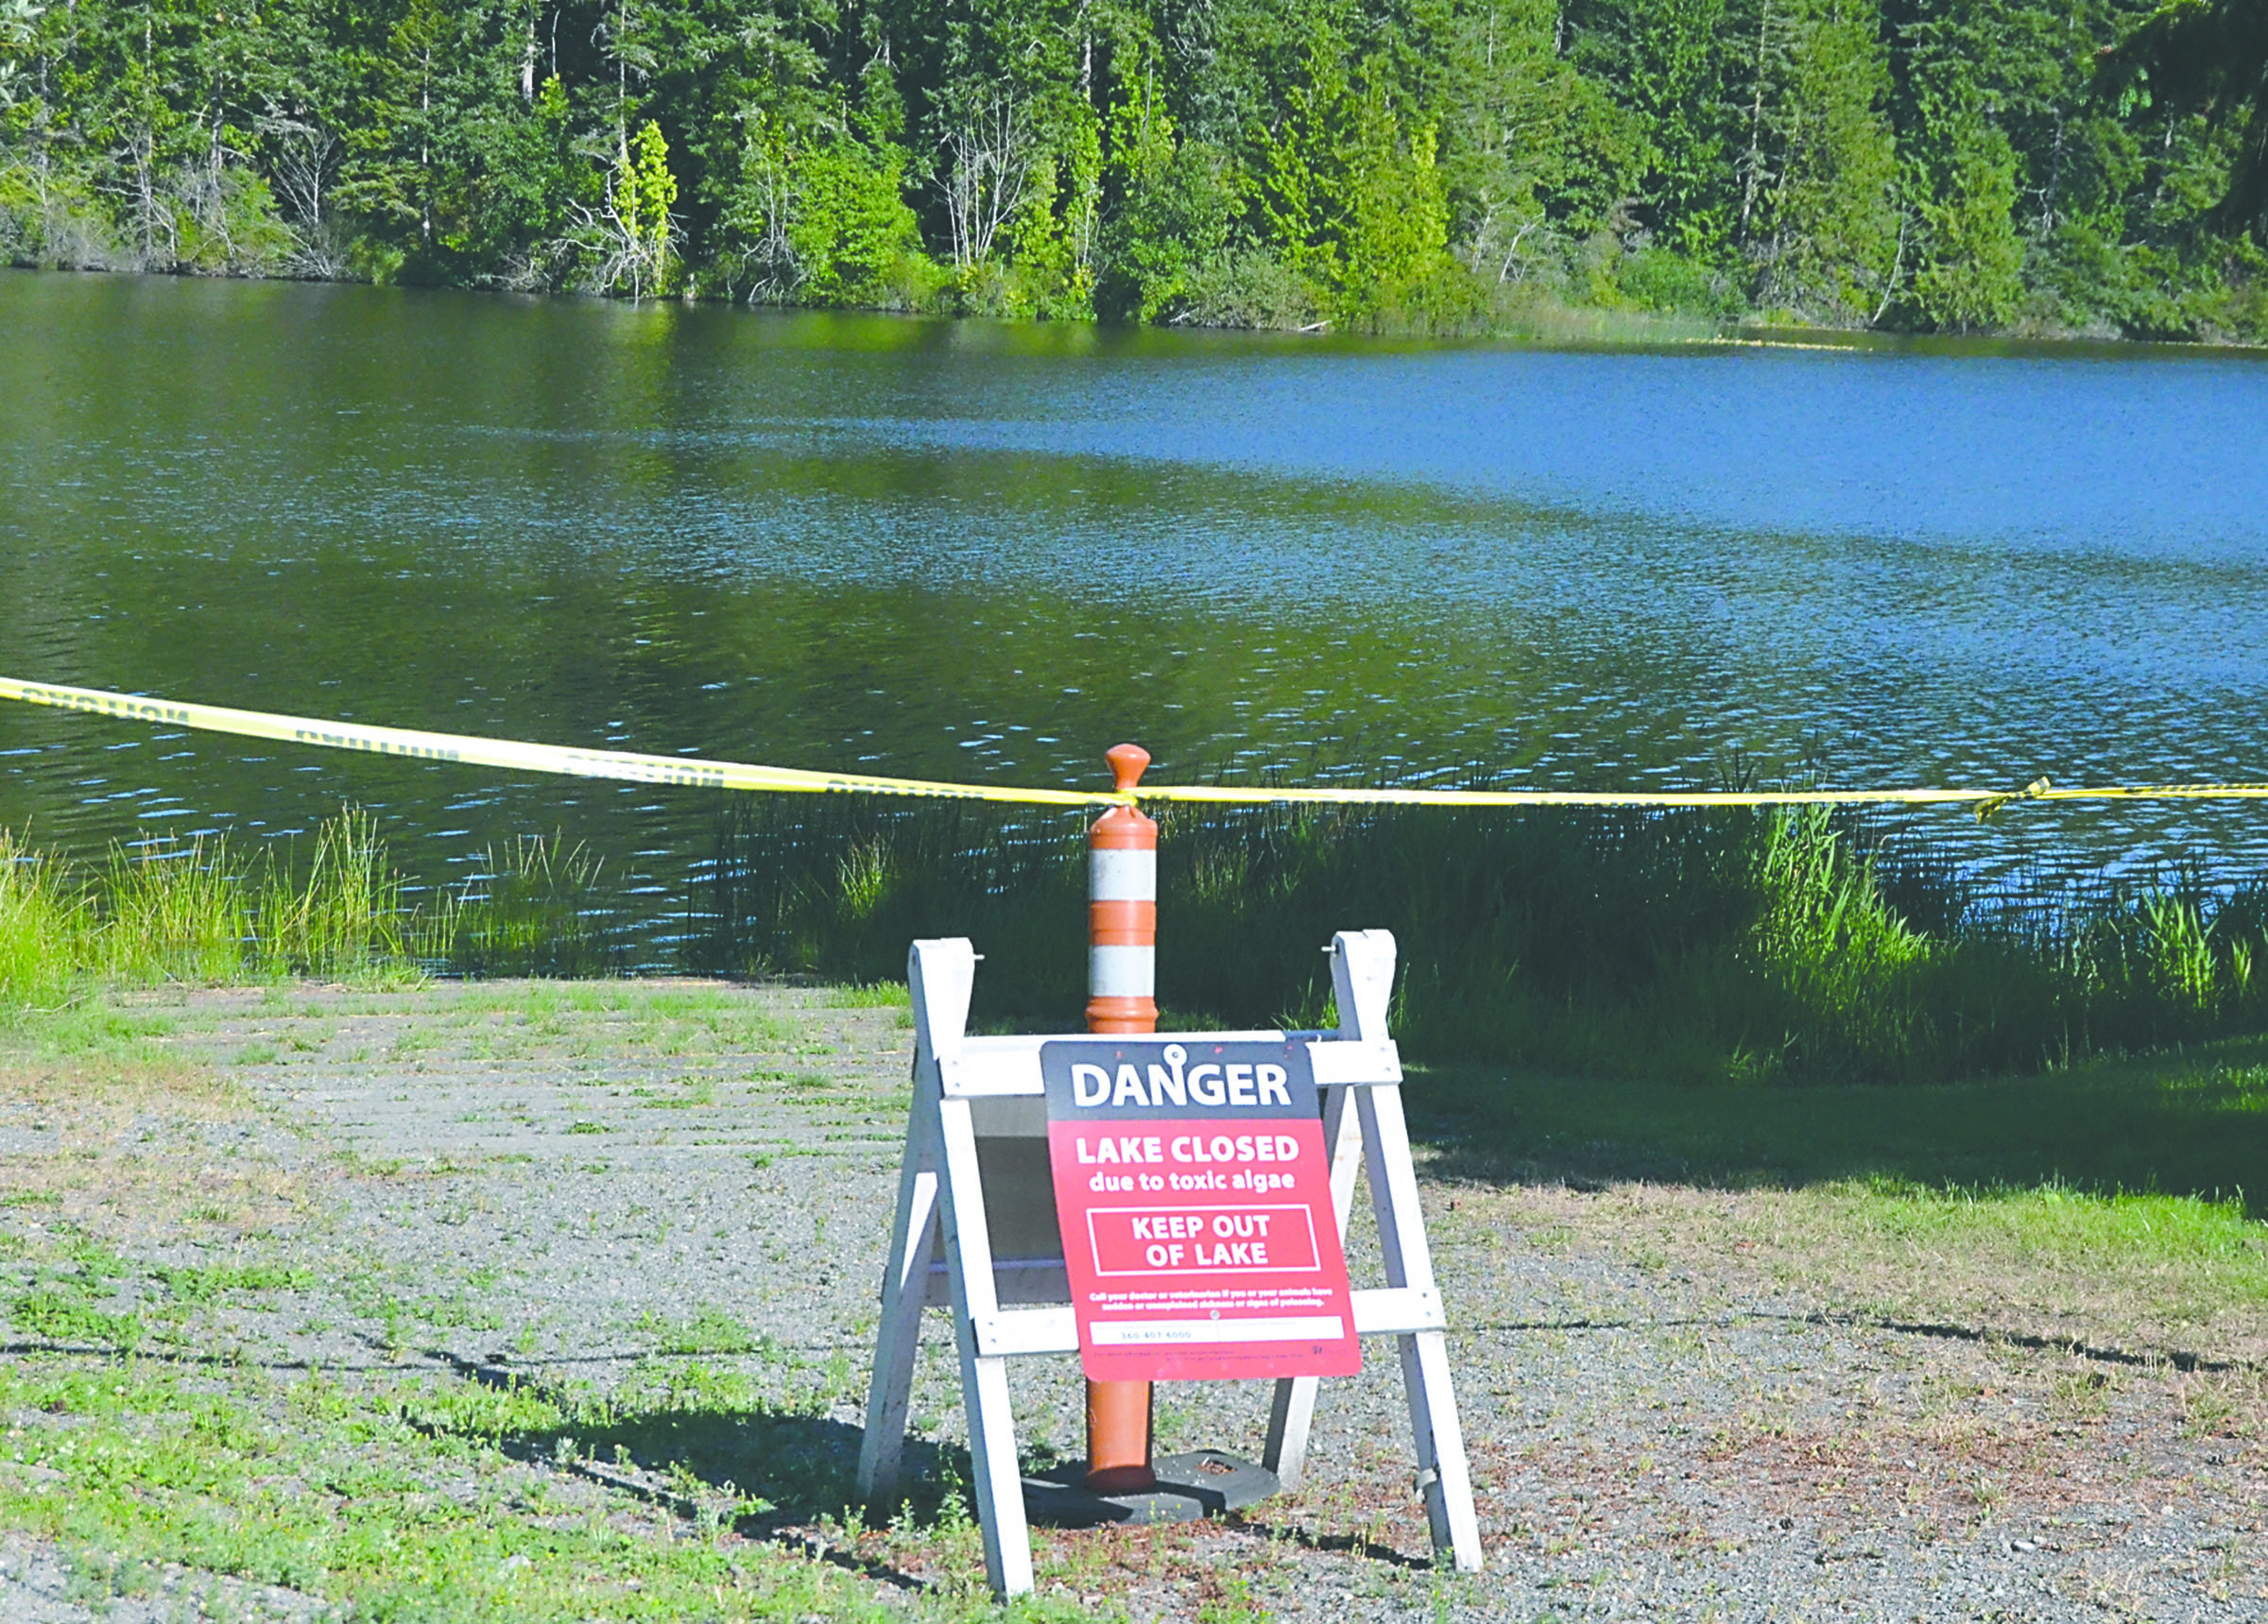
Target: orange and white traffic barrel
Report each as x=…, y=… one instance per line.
x=1122, y=988
x=1122, y=909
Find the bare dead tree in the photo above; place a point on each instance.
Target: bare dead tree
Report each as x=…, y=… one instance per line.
x=1509, y=243
x=305, y=157
x=763, y=216
x=302, y=159
x=991, y=151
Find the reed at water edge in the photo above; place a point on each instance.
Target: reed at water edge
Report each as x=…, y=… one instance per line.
x=199, y=910
x=1770, y=945
x=1764, y=946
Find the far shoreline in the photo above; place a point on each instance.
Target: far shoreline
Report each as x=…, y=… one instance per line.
x=1562, y=329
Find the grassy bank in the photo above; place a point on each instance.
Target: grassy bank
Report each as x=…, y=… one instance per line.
x=333, y=907
x=1681, y=949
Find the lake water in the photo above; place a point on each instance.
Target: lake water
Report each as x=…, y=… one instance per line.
x=978, y=551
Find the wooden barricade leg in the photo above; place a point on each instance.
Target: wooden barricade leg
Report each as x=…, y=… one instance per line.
x=904, y=1286
x=1293, y=1411
x=1442, y=1472
x=1362, y=975
x=940, y=976
x=984, y=1377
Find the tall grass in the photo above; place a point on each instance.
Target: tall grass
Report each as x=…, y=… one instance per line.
x=175, y=911
x=537, y=907
x=44, y=921
x=346, y=916
x=1752, y=945
x=191, y=910
x=1681, y=947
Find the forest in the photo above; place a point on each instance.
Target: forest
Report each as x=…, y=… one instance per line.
x=2090, y=167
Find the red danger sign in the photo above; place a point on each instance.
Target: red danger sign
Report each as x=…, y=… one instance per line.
x=1194, y=1199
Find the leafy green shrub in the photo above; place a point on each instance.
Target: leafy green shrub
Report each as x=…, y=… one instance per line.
x=1660, y=279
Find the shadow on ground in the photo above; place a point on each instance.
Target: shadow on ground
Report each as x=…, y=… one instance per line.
x=763, y=1472
x=2193, y=1124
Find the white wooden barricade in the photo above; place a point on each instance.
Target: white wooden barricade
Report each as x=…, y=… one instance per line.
x=976, y=1163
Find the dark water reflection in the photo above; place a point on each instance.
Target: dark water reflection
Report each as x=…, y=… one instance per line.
x=967, y=550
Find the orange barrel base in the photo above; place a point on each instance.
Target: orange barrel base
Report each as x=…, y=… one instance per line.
x=1117, y=1436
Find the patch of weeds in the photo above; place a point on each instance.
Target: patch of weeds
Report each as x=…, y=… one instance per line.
x=1234, y=1605
x=1555, y=1239
x=393, y=1335
x=99, y=1579
x=709, y=1331
x=340, y=1503
x=1990, y=1496
x=95, y=1030
x=2082, y=1395
x=32, y=1198
x=870, y=995
x=457, y=1312
x=586, y=1127
x=257, y=1054
x=2230, y=1404
x=66, y=1317
x=697, y=1092
x=207, y=1284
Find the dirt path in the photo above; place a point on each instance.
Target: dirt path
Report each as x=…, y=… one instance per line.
x=592, y=1189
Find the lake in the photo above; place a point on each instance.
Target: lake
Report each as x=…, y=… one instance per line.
x=970, y=549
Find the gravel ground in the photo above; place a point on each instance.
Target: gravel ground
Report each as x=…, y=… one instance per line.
x=491, y=1180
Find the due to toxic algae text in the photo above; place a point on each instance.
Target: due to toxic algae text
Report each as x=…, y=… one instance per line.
x=1191, y=1163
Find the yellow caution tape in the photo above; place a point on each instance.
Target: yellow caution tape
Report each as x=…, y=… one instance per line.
x=511, y=755
x=516, y=755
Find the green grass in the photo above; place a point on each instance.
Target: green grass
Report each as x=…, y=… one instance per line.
x=44, y=925
x=175, y=912
x=709, y=1331
x=389, y=1494
x=2097, y=1205
x=871, y=995
x=327, y=1487
x=1731, y=946
x=197, y=912
x=2189, y=1125
x=2115, y=1206
x=539, y=907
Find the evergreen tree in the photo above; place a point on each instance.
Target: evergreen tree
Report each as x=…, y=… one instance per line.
x=1818, y=212
x=2194, y=55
